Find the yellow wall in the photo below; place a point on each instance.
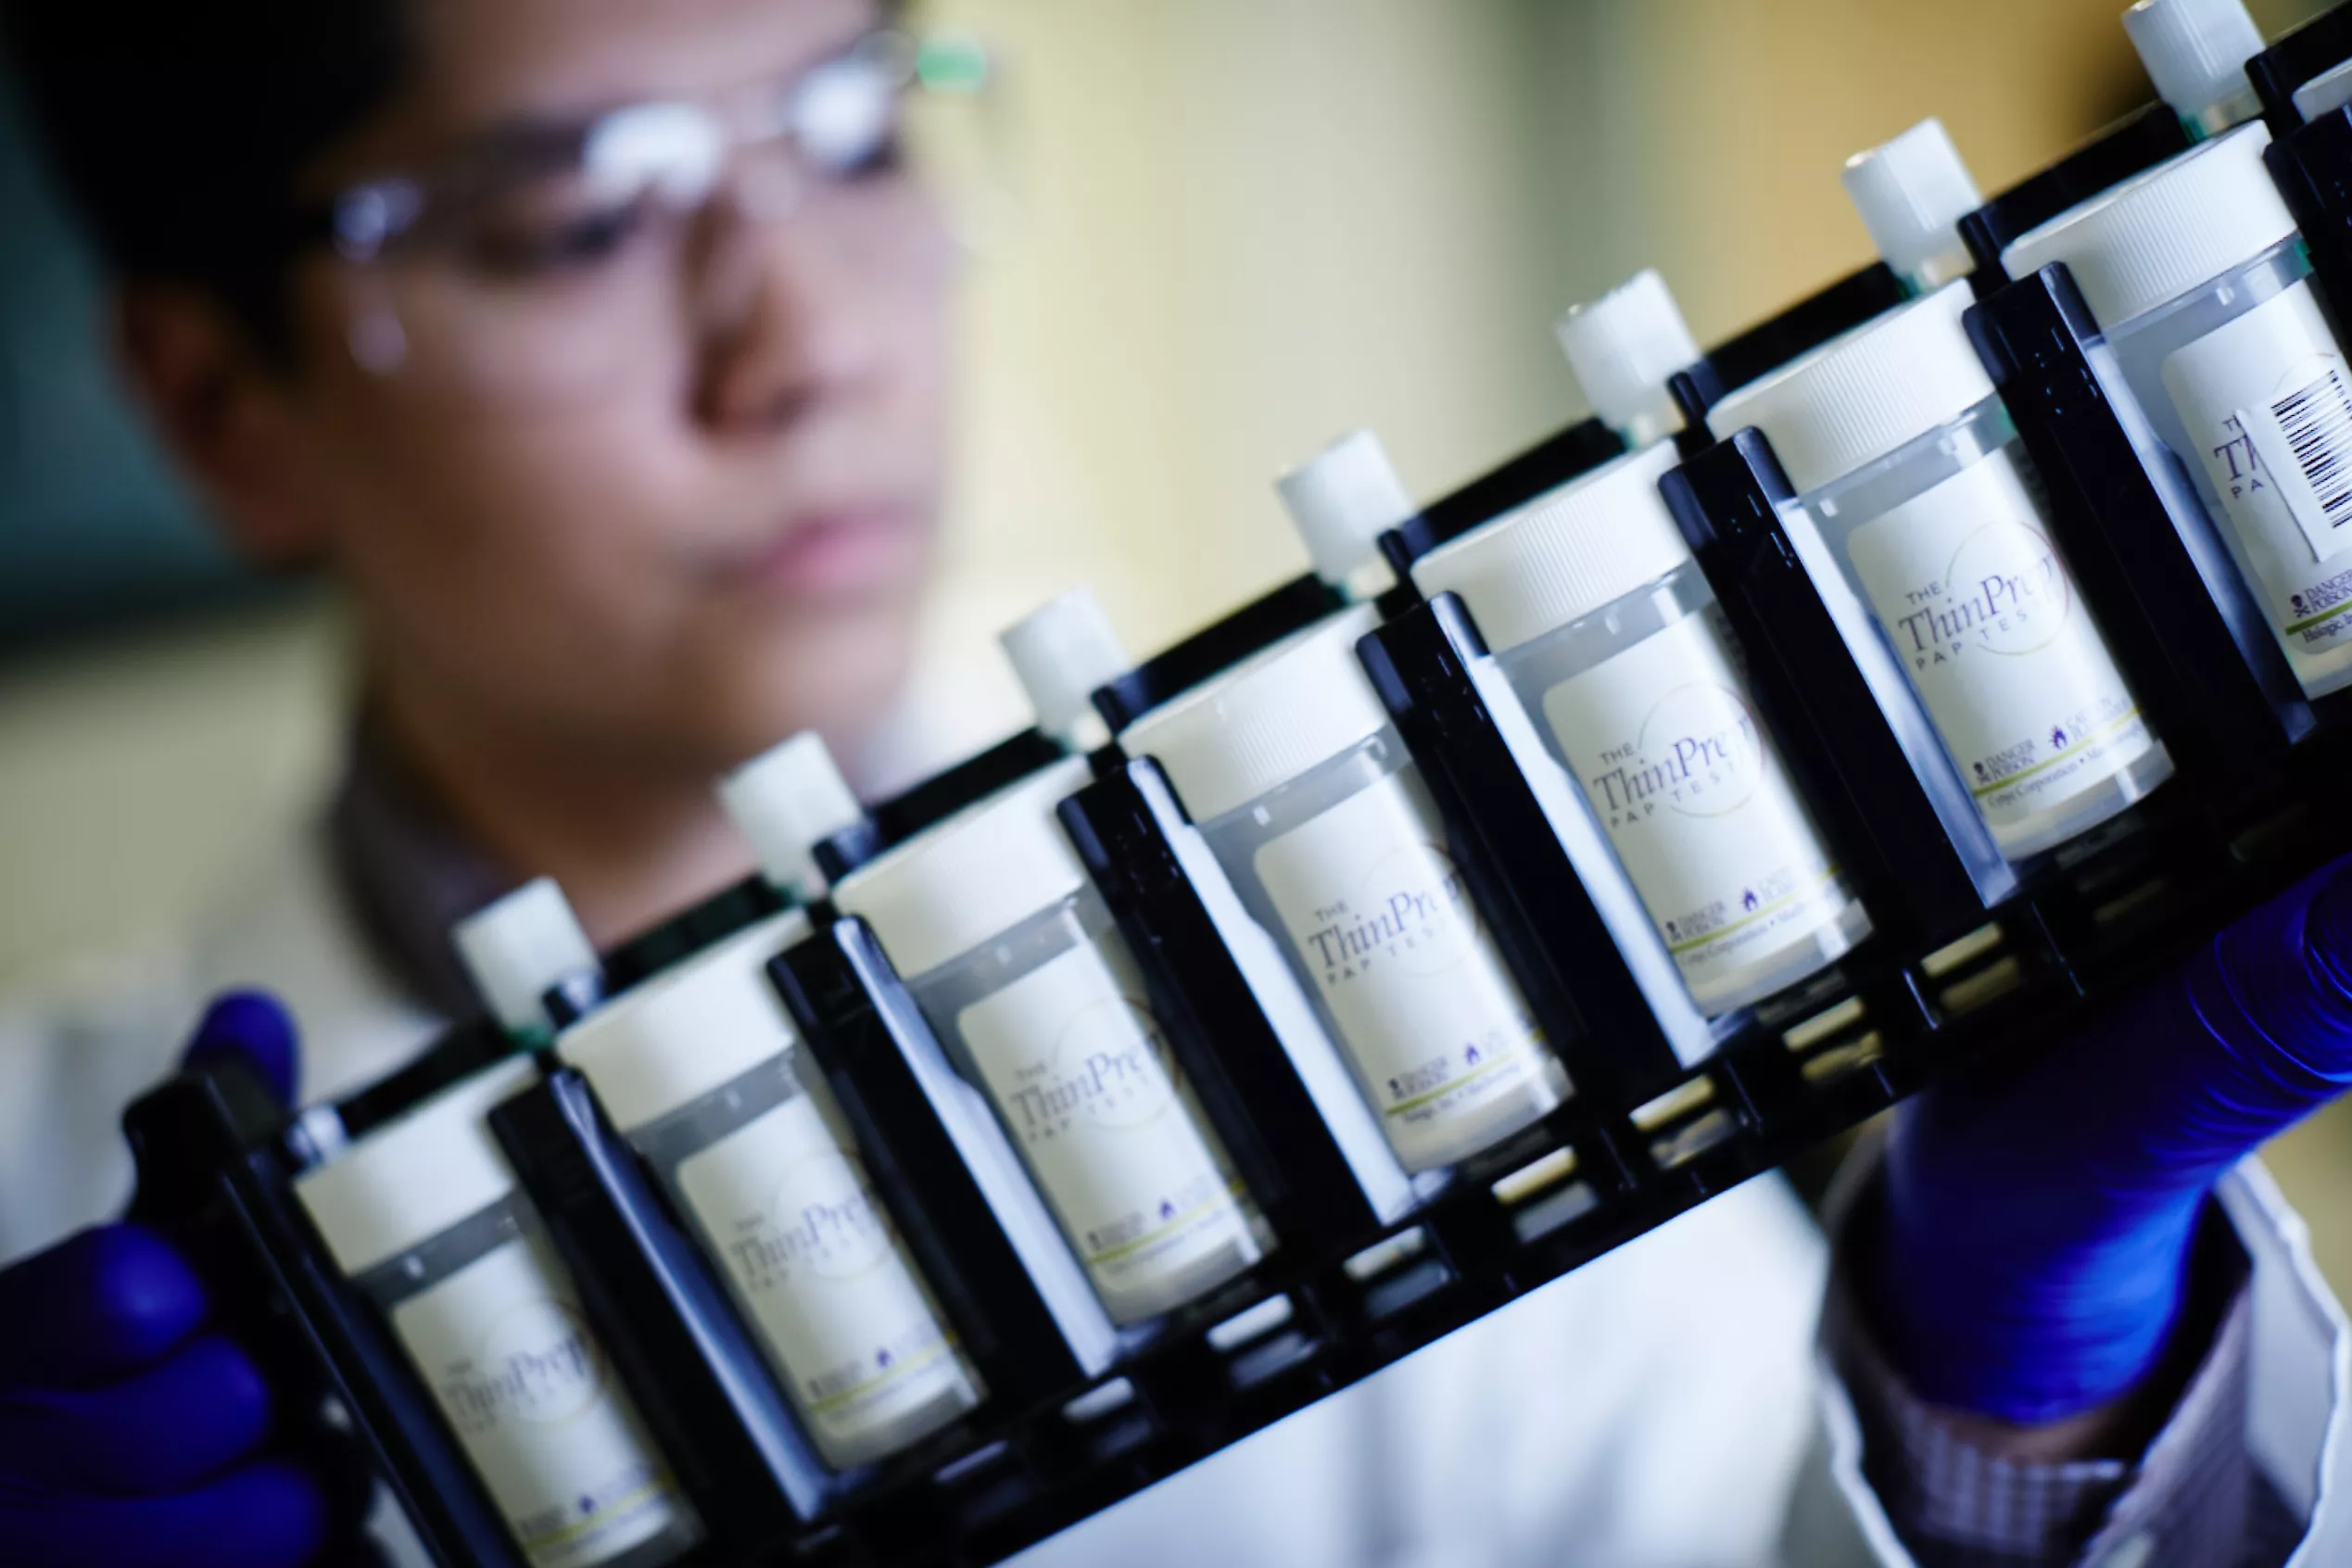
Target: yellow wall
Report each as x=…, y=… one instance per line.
x=1245, y=226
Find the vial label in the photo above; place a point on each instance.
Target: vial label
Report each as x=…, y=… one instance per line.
x=1671, y=756
x=1382, y=921
x=1083, y=1078
x=2265, y=400
x=811, y=1254
x=508, y=1355
x=1983, y=614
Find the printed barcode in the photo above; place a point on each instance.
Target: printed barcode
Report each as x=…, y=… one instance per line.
x=2317, y=423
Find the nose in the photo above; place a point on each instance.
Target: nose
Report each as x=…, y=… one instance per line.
x=784, y=317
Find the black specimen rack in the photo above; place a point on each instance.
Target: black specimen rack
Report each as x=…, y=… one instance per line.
x=1970, y=970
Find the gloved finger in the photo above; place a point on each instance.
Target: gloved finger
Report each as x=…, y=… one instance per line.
x=273, y=1513
x=100, y=1304
x=2255, y=1033
x=165, y=1429
x=2037, y=1217
x=2284, y=1000
x=250, y=1025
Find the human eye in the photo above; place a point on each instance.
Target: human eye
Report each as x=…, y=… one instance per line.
x=845, y=116
x=886, y=155
x=548, y=234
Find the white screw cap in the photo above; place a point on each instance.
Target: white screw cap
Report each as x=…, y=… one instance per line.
x=517, y=948
x=1623, y=347
x=1912, y=192
x=1342, y=501
x=787, y=800
x=2195, y=50
x=1064, y=650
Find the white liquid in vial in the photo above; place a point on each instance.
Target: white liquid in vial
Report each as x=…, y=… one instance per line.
x=2267, y=406
x=1980, y=609
x=811, y=1253
x=1663, y=740
x=1081, y=1077
x=1383, y=922
x=507, y=1354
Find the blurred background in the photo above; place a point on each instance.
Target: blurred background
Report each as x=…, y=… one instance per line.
x=1215, y=234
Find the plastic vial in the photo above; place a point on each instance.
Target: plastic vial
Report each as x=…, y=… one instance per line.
x=517, y=950
x=1592, y=605
x=1624, y=347
x=786, y=801
x=1064, y=652
x=2195, y=51
x=1341, y=500
x=1014, y=959
x=424, y=1217
x=1912, y=478
x=2203, y=291
x=1912, y=192
x=1304, y=791
x=698, y=1069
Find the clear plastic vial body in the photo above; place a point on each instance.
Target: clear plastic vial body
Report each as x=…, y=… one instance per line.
x=425, y=1219
x=1645, y=704
x=2203, y=294
x=1346, y=864
x=1915, y=488
x=698, y=1069
x=2246, y=388
x=1306, y=794
x=1946, y=542
x=1021, y=971
x=1593, y=609
x=811, y=1257
x=1050, y=1019
x=486, y=1313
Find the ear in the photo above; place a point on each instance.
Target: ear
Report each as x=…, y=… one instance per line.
x=223, y=410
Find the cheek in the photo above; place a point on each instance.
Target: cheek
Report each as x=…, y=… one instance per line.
x=527, y=535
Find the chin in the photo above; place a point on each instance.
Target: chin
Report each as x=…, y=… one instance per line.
x=841, y=676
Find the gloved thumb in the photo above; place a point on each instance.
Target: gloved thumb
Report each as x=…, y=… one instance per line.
x=251, y=1027
x=2258, y=1036
x=2285, y=994
x=2037, y=1221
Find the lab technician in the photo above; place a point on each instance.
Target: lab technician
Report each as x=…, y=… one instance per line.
x=598, y=348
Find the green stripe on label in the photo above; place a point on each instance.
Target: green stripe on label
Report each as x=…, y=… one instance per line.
x=2317, y=620
x=1453, y=1083
x=1781, y=902
x=2053, y=762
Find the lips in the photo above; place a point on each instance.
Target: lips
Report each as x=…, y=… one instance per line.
x=841, y=552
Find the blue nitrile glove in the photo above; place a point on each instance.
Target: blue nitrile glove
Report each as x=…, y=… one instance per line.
x=2029, y=1259
x=128, y=1434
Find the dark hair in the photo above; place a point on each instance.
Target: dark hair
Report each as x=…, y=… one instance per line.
x=177, y=126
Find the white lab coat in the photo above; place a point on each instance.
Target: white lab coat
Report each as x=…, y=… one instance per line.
x=1661, y=1406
